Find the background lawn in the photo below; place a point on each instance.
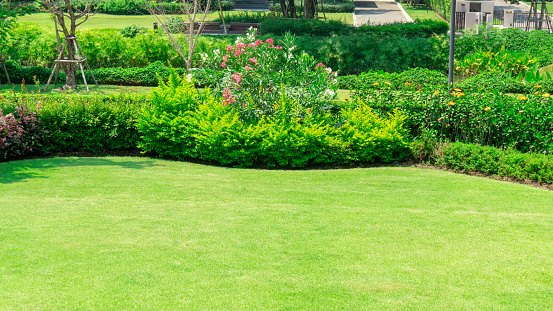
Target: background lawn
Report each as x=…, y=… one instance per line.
x=421, y=13
x=101, y=21
x=138, y=233
x=93, y=89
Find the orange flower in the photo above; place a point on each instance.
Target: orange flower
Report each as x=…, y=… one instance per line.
x=407, y=83
x=487, y=108
x=522, y=97
x=537, y=86
x=451, y=103
x=536, y=93
x=440, y=119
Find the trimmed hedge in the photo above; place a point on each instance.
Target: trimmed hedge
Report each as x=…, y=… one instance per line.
x=419, y=29
x=180, y=124
x=495, y=161
x=81, y=123
x=315, y=27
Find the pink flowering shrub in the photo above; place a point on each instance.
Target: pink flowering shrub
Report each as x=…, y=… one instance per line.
x=21, y=133
x=259, y=73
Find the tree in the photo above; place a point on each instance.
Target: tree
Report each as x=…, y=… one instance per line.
x=195, y=12
x=68, y=15
x=288, y=10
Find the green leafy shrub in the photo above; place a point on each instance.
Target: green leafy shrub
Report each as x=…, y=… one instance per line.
x=83, y=123
x=314, y=27
x=412, y=79
x=21, y=133
x=18, y=73
x=181, y=124
x=419, y=29
x=244, y=17
x=522, y=122
x=137, y=7
x=495, y=161
x=493, y=81
x=258, y=73
x=329, y=7
x=132, y=31
x=515, y=63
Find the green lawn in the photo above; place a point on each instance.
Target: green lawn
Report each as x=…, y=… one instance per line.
x=421, y=13
x=102, y=21
x=93, y=89
x=144, y=234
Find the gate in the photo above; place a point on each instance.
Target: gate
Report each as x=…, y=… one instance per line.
x=459, y=21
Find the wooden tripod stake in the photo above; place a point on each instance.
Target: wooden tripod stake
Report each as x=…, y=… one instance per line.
x=3, y=62
x=79, y=60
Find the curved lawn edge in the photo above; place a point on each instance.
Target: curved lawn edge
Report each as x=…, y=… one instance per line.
x=129, y=233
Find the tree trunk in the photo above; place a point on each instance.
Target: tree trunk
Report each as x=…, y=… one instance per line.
x=309, y=9
x=70, y=69
x=292, y=9
x=284, y=8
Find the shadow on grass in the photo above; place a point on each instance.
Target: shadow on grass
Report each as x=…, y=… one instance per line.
x=21, y=170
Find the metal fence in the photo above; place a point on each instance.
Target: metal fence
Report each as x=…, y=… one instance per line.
x=520, y=19
x=459, y=21
x=498, y=17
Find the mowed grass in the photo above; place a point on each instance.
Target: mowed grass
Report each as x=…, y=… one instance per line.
x=92, y=89
x=103, y=21
x=421, y=13
x=120, y=233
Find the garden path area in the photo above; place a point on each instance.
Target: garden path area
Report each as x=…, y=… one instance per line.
x=379, y=12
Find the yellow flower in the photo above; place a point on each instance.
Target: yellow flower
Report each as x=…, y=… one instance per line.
x=457, y=90
x=537, y=86
x=437, y=92
x=522, y=97
x=387, y=83
x=487, y=108
x=375, y=84
x=451, y=103
x=546, y=95
x=407, y=83
x=345, y=99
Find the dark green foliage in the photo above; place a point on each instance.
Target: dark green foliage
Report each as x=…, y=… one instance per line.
x=83, y=123
x=147, y=76
x=494, y=81
x=510, y=163
x=332, y=7
x=21, y=133
x=419, y=29
x=416, y=78
x=314, y=27
x=359, y=53
x=521, y=122
x=244, y=17
x=18, y=73
x=137, y=7
x=538, y=43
